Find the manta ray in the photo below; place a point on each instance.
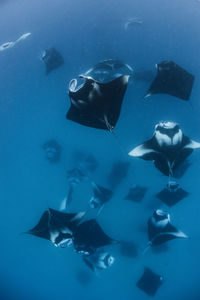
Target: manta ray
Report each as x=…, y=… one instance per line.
x=9, y=45
x=173, y=80
x=97, y=101
x=149, y=282
x=52, y=59
x=160, y=229
x=57, y=227
x=168, y=148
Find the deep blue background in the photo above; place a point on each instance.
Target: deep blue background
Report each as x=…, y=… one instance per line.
x=32, y=110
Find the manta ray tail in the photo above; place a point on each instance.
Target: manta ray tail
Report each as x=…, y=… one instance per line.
x=147, y=248
x=63, y=205
x=100, y=210
x=67, y=200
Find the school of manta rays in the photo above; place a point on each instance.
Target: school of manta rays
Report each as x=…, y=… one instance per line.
x=96, y=99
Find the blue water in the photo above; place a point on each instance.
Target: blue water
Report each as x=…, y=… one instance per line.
x=32, y=110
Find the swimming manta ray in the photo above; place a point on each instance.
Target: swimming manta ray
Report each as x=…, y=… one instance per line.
x=56, y=226
x=101, y=195
x=160, y=229
x=52, y=59
x=99, y=260
x=97, y=104
x=117, y=173
x=149, y=282
x=168, y=148
x=173, y=80
x=136, y=193
x=89, y=236
x=9, y=45
x=172, y=193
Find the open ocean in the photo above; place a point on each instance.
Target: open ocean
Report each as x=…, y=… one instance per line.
x=33, y=110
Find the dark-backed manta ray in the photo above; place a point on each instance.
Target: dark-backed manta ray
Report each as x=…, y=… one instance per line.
x=160, y=229
x=52, y=59
x=168, y=148
x=89, y=236
x=118, y=172
x=136, y=193
x=172, y=193
x=95, y=104
x=173, y=80
x=57, y=227
x=149, y=282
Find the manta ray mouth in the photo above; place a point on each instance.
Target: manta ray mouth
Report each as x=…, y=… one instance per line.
x=111, y=260
x=166, y=125
x=168, y=133
x=160, y=218
x=106, y=260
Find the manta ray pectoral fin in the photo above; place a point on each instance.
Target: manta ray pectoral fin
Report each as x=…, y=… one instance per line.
x=63, y=204
x=192, y=145
x=176, y=234
x=181, y=234
x=140, y=151
x=23, y=37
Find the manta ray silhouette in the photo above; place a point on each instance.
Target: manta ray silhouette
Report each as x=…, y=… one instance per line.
x=89, y=236
x=97, y=101
x=52, y=60
x=149, y=282
x=56, y=226
x=172, y=194
x=173, y=80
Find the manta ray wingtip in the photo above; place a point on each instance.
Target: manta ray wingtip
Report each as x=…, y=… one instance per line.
x=147, y=95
